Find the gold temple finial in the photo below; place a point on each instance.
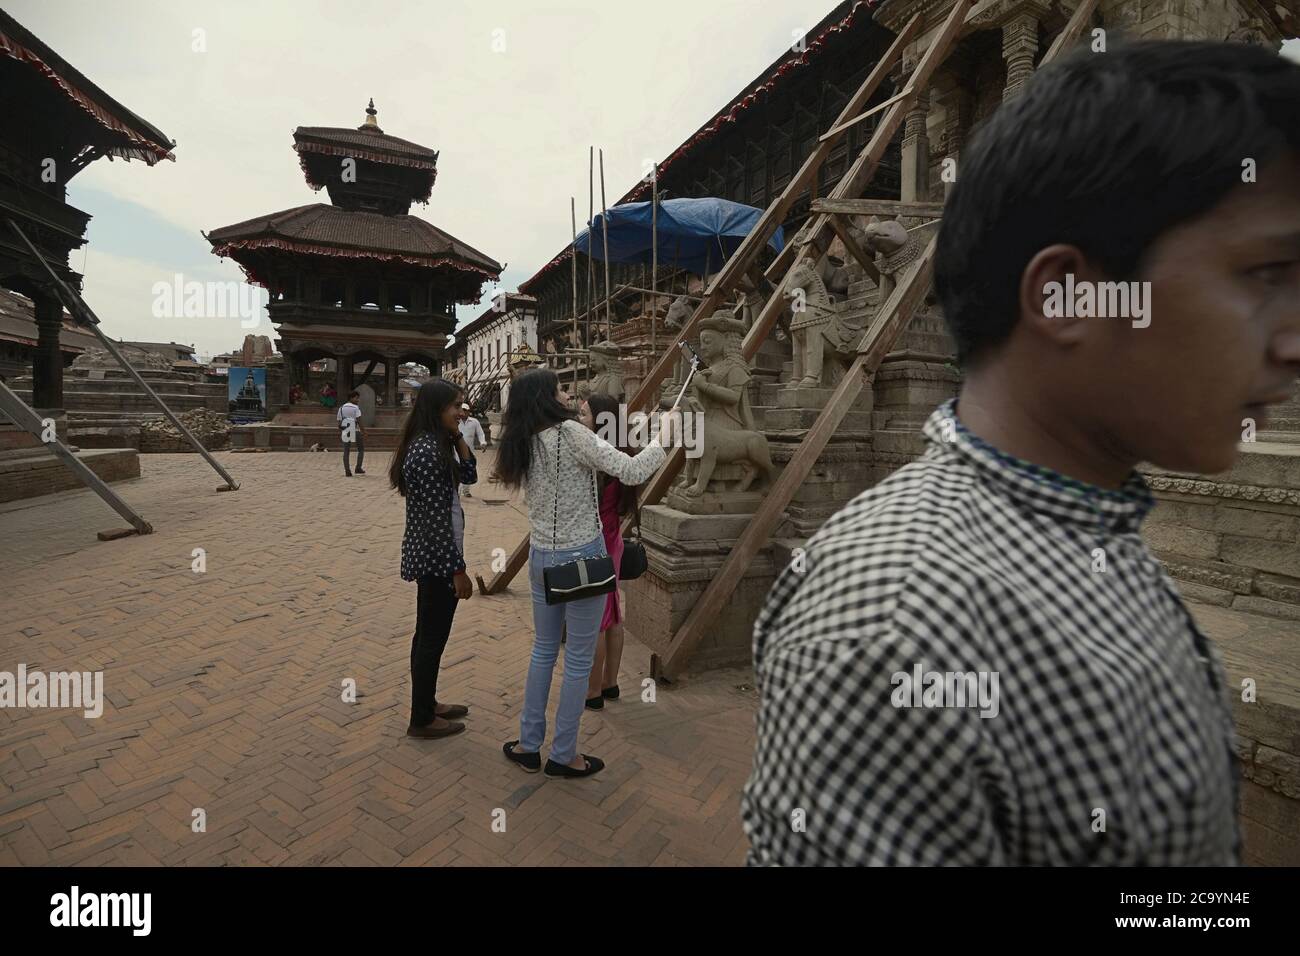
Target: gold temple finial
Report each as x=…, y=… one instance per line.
x=371, y=113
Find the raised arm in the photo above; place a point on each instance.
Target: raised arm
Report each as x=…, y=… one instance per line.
x=595, y=452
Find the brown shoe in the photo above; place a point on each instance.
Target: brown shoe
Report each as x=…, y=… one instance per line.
x=430, y=732
x=452, y=712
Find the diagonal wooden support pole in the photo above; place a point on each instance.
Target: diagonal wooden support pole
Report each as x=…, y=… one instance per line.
x=868, y=264
x=25, y=418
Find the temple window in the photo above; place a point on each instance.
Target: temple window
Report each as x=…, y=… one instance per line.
x=368, y=294
x=333, y=292
x=399, y=297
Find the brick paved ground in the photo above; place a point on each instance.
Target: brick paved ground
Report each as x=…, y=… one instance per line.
x=224, y=693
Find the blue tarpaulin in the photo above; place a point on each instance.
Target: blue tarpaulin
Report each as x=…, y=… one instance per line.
x=694, y=234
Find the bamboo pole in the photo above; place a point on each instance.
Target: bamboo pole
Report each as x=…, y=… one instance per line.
x=604, y=228
x=573, y=218
x=654, y=254
x=591, y=261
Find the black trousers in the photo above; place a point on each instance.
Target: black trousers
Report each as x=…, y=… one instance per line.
x=347, y=454
x=435, y=606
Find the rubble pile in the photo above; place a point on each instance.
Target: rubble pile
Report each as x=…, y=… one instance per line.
x=211, y=428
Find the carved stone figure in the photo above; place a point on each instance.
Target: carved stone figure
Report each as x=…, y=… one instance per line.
x=678, y=313
x=812, y=309
x=606, y=376
x=826, y=329
x=890, y=240
x=720, y=391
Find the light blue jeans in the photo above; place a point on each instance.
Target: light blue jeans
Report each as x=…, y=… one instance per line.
x=582, y=621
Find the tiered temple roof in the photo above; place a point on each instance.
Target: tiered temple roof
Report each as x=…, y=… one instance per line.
x=372, y=179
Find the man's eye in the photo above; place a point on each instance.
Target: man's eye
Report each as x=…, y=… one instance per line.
x=1275, y=273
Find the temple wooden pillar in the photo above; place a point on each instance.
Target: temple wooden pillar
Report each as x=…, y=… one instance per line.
x=342, y=376
x=47, y=362
x=958, y=105
x=390, y=383
x=916, y=153
x=1020, y=46
x=290, y=377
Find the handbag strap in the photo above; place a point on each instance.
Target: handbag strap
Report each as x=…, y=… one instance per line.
x=555, y=514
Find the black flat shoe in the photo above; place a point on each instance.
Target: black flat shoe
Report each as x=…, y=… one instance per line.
x=531, y=762
x=594, y=765
x=595, y=703
x=610, y=693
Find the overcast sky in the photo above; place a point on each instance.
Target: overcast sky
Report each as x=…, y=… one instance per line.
x=513, y=126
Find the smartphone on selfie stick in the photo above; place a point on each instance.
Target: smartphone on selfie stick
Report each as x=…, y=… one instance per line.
x=694, y=359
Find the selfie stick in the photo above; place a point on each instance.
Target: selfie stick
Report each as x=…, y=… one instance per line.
x=695, y=364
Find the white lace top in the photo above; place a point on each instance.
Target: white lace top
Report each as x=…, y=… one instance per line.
x=582, y=454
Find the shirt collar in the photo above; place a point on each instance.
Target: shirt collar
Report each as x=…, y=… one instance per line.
x=1036, y=487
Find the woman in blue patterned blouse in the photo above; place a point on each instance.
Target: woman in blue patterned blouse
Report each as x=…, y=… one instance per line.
x=431, y=461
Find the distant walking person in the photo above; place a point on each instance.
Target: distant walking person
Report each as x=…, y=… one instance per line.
x=472, y=432
x=349, y=416
x=430, y=461
x=556, y=459
x=600, y=413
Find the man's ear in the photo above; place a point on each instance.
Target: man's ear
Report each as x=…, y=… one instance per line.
x=1047, y=293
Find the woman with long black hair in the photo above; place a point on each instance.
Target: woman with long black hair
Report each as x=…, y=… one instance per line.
x=430, y=463
x=555, y=458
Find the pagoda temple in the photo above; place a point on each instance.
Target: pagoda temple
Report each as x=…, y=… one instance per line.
x=359, y=281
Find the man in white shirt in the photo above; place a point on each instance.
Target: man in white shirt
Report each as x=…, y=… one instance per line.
x=472, y=432
x=349, y=416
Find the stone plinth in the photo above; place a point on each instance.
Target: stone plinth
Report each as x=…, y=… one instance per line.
x=1267, y=652
x=1233, y=540
x=35, y=471
x=798, y=407
x=685, y=552
x=716, y=503
x=299, y=427
x=841, y=472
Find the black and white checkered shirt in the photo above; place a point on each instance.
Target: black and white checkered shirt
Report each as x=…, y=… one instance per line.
x=1107, y=738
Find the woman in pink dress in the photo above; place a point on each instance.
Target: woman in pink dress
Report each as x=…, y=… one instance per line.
x=616, y=500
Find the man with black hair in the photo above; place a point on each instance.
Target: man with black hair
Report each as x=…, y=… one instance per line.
x=978, y=661
x=350, y=431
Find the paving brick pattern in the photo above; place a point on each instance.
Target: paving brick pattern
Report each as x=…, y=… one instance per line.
x=224, y=692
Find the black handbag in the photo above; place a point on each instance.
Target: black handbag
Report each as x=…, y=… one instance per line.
x=585, y=577
x=634, y=562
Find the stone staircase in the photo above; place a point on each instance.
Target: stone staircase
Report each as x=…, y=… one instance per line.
x=105, y=406
x=28, y=469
